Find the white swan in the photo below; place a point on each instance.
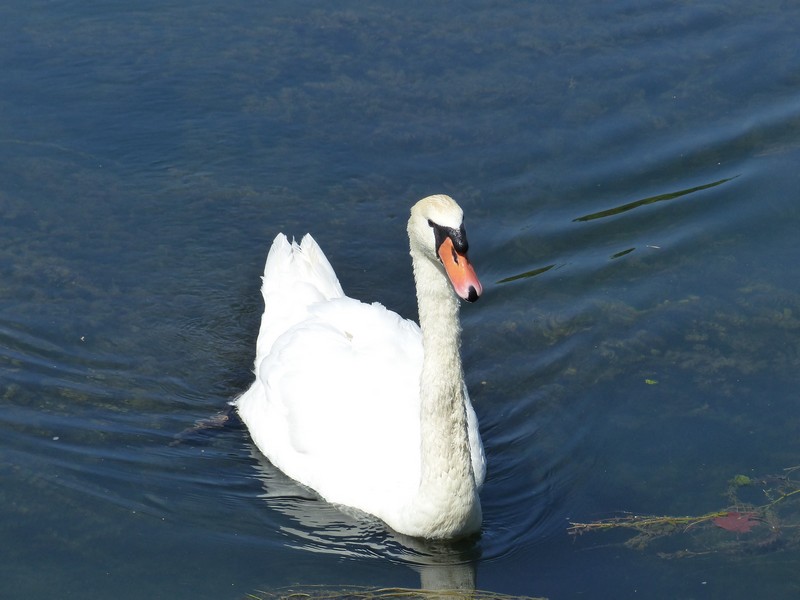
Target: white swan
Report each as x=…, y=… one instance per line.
x=364, y=407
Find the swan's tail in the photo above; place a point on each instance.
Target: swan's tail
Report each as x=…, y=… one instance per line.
x=295, y=277
x=291, y=263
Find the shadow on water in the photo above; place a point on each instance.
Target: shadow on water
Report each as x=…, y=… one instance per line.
x=526, y=274
x=623, y=208
x=651, y=200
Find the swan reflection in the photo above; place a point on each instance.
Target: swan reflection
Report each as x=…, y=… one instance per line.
x=315, y=525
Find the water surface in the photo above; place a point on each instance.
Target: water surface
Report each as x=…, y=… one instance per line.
x=629, y=177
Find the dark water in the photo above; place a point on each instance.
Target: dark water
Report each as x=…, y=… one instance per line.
x=629, y=172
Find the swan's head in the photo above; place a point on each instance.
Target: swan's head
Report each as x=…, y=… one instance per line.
x=436, y=230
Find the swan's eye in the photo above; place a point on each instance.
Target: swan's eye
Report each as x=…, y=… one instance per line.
x=457, y=236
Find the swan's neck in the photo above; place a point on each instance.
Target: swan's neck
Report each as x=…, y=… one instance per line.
x=447, y=495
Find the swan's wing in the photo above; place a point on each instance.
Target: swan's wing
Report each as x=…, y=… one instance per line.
x=353, y=447
x=296, y=276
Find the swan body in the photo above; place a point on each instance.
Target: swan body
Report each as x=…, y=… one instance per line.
x=365, y=407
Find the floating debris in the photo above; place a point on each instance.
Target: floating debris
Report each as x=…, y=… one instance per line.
x=741, y=528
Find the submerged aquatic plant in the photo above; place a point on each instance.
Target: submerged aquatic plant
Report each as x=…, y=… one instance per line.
x=741, y=528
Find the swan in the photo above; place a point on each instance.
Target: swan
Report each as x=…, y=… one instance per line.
x=362, y=406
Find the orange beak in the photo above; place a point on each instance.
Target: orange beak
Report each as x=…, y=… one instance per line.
x=459, y=270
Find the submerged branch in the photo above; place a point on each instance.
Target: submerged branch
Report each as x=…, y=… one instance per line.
x=771, y=525
x=647, y=523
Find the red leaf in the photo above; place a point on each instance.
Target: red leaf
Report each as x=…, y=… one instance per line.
x=738, y=522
